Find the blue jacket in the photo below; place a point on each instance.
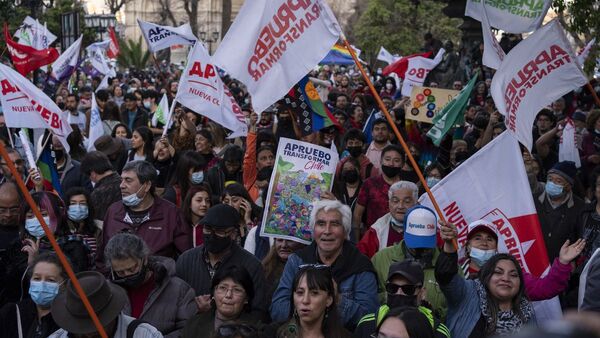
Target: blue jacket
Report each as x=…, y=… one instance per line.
x=358, y=294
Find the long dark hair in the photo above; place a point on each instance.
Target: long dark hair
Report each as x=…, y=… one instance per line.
x=237, y=189
x=416, y=323
x=485, y=274
x=88, y=224
x=146, y=135
x=186, y=207
x=187, y=160
x=318, y=277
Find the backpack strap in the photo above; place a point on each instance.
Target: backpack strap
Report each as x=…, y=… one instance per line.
x=133, y=326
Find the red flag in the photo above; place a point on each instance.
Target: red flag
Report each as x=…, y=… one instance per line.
x=399, y=67
x=26, y=58
x=113, y=47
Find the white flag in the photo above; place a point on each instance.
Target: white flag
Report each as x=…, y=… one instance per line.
x=26, y=106
x=583, y=54
x=100, y=62
x=104, y=83
x=417, y=70
x=511, y=16
x=567, y=149
x=201, y=90
x=102, y=45
x=386, y=56
x=273, y=44
x=66, y=63
x=493, y=54
x=33, y=33
x=96, y=129
x=162, y=112
x=539, y=70
x=161, y=37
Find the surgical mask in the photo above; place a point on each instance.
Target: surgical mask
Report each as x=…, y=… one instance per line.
x=147, y=104
x=389, y=86
x=133, y=199
x=395, y=301
x=34, y=228
x=479, y=257
x=215, y=244
x=131, y=281
x=197, y=177
x=553, y=189
x=77, y=212
x=391, y=171
x=43, y=293
x=431, y=181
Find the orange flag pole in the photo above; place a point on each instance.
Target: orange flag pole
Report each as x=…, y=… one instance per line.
x=50, y=235
x=411, y=159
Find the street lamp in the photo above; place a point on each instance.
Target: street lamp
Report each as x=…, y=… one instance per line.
x=214, y=38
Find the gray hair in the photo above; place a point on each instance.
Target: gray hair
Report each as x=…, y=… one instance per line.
x=124, y=246
x=329, y=205
x=404, y=185
x=144, y=170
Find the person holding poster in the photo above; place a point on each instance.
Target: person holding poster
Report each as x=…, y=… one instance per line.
x=330, y=223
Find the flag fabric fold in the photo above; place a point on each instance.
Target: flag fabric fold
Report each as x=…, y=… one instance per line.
x=67, y=62
x=401, y=65
x=339, y=55
x=113, y=46
x=510, y=16
x=537, y=71
x=273, y=44
x=96, y=129
x=583, y=54
x=26, y=58
x=386, y=56
x=417, y=70
x=567, y=149
x=46, y=164
x=493, y=54
x=160, y=115
x=160, y=37
x=32, y=33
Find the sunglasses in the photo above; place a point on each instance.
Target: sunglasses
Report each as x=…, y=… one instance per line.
x=232, y=330
x=408, y=290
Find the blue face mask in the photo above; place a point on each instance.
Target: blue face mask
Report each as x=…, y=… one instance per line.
x=43, y=293
x=77, y=212
x=553, y=189
x=431, y=181
x=197, y=177
x=133, y=199
x=479, y=257
x=34, y=228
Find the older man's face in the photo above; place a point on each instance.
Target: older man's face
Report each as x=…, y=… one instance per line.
x=401, y=201
x=329, y=233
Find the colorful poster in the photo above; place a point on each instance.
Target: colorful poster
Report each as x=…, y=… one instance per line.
x=426, y=102
x=302, y=172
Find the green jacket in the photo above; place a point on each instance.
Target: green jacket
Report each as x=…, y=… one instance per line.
x=368, y=324
x=396, y=253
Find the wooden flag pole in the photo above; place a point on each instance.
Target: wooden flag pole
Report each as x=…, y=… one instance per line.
x=397, y=132
x=55, y=246
x=591, y=89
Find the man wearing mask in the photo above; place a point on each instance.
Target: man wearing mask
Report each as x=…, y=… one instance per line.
x=557, y=208
x=220, y=251
x=381, y=138
x=104, y=179
x=389, y=230
x=373, y=195
x=68, y=169
x=143, y=213
x=354, y=142
x=418, y=245
x=228, y=170
x=404, y=288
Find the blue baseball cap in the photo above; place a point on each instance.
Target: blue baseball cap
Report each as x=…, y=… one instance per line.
x=420, y=227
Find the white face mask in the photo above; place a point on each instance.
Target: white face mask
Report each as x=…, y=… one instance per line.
x=133, y=199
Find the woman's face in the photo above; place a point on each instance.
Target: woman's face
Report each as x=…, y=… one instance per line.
x=310, y=304
x=345, y=81
x=121, y=132
x=435, y=173
x=200, y=203
x=47, y=272
x=230, y=298
x=393, y=327
x=483, y=240
x=264, y=159
x=202, y=144
x=234, y=201
x=285, y=248
x=136, y=141
x=78, y=199
x=358, y=114
x=118, y=92
x=504, y=283
x=162, y=151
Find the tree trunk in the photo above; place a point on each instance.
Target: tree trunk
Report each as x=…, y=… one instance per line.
x=226, y=23
x=191, y=8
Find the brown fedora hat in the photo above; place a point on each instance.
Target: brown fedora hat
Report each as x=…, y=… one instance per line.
x=106, y=299
x=108, y=144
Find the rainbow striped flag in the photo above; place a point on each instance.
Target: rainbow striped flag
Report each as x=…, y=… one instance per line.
x=339, y=55
x=47, y=167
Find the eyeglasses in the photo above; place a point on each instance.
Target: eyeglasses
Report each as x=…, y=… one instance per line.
x=232, y=330
x=236, y=291
x=408, y=290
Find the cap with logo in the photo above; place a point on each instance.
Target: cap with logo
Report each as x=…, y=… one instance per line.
x=420, y=227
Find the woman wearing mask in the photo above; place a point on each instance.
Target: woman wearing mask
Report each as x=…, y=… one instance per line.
x=195, y=205
x=31, y=317
x=275, y=261
x=433, y=175
x=80, y=219
x=482, y=244
x=155, y=295
x=232, y=292
x=141, y=145
x=237, y=196
x=347, y=185
x=189, y=172
x=163, y=160
x=389, y=89
x=314, y=313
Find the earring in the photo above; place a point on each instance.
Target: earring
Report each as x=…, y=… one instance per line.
x=326, y=312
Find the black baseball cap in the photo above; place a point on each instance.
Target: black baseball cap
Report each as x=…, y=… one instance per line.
x=408, y=269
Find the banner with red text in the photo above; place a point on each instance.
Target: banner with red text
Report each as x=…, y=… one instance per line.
x=26, y=106
x=273, y=44
x=539, y=70
x=113, y=46
x=510, y=16
x=417, y=70
x=492, y=185
x=201, y=90
x=493, y=54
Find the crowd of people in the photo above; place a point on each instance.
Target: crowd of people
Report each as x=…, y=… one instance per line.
x=164, y=231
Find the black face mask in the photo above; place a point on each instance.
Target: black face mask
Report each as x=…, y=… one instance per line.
x=394, y=301
x=215, y=244
x=350, y=176
x=391, y=171
x=355, y=151
x=131, y=281
x=59, y=154
x=264, y=174
x=461, y=156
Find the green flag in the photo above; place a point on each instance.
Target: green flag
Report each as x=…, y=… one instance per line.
x=449, y=115
x=160, y=115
